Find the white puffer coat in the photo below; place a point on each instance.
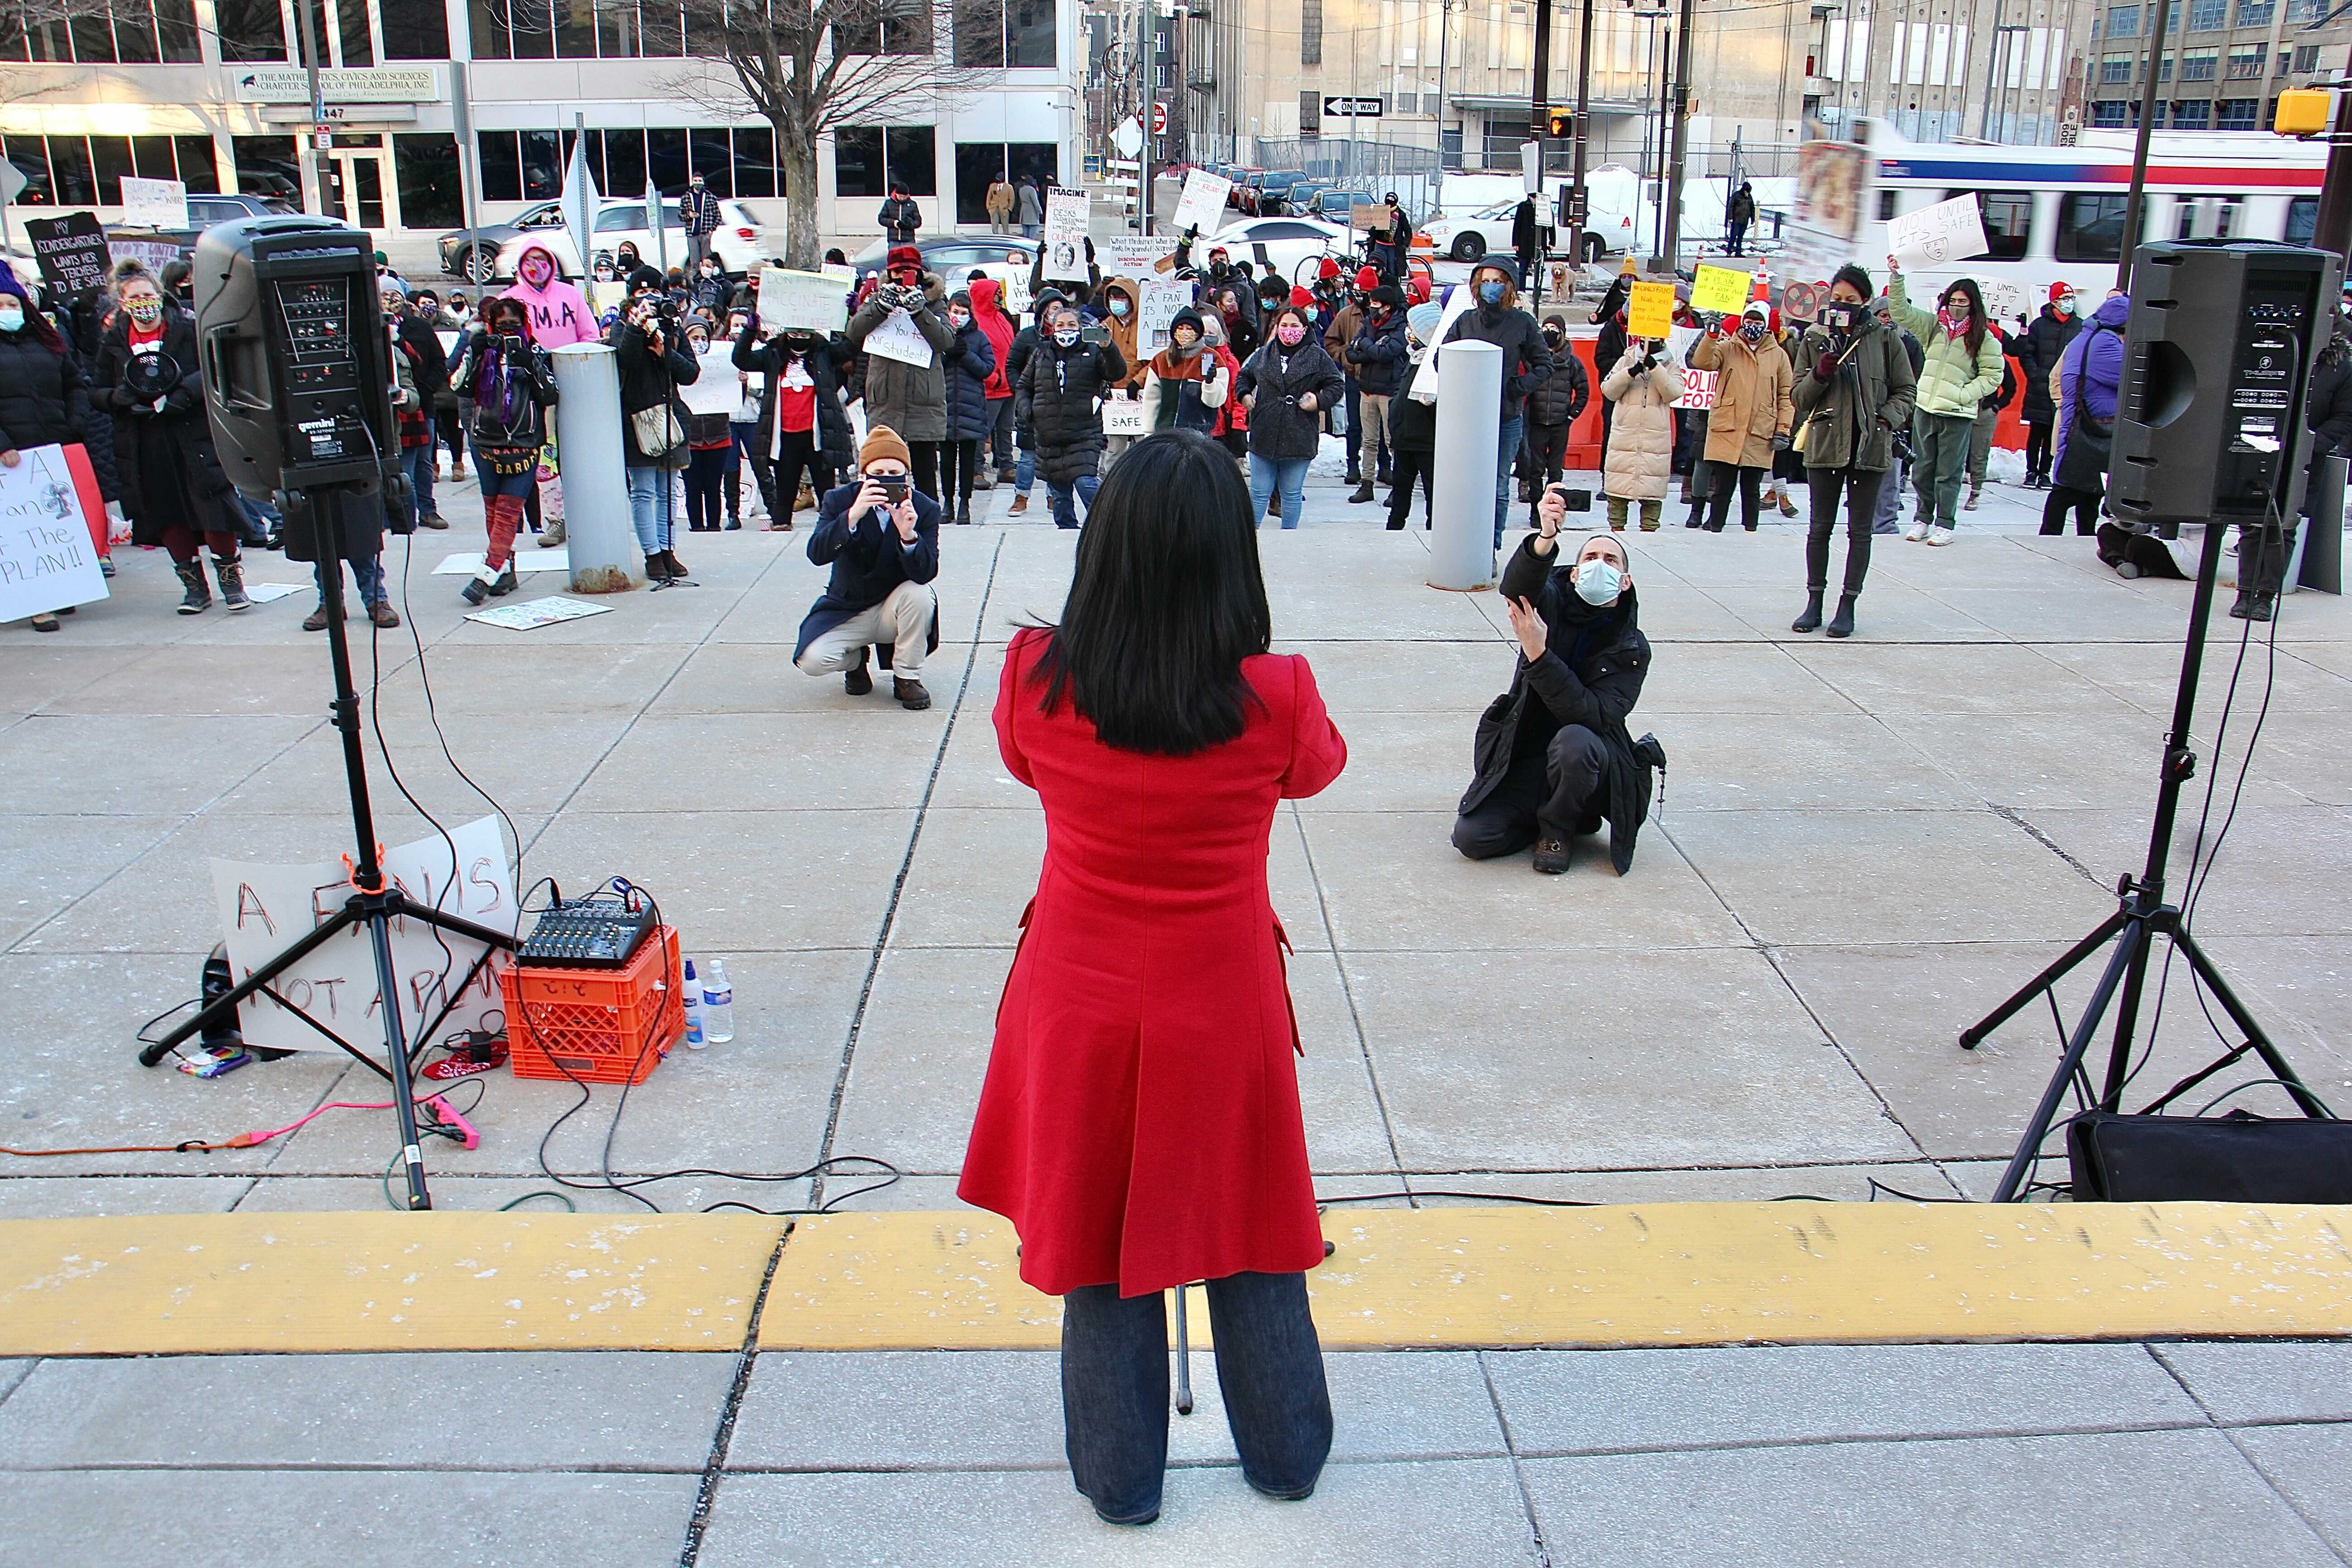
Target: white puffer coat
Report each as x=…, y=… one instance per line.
x=1641, y=431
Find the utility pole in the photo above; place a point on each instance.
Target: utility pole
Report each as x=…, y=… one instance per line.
x=1579, y=206
x=1150, y=61
x=2139, y=146
x=1992, y=88
x=1444, y=40
x=319, y=159
x=1680, y=136
x=1541, y=129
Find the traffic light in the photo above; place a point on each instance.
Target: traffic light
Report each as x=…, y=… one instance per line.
x=1563, y=124
x=2304, y=111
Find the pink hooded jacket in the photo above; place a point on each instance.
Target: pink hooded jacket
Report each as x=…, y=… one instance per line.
x=558, y=314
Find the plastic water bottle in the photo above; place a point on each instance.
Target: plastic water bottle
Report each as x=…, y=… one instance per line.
x=718, y=1006
x=691, y=991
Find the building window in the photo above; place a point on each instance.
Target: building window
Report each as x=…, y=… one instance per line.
x=2255, y=12
x=2110, y=113
x=128, y=32
x=2164, y=69
x=913, y=153
x=1310, y=34
x=351, y=26
x=94, y=166
x=266, y=166
x=2306, y=57
x=869, y=159
x=858, y=162
x=565, y=29
x=2246, y=64
x=414, y=30
x=1003, y=33
x=2114, y=69
x=2123, y=22
x=2199, y=65
x=2192, y=113
x=978, y=164
x=2207, y=15
x=1311, y=116
x=2304, y=11
x=427, y=170
x=2238, y=115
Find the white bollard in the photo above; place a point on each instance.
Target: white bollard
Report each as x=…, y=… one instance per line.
x=1461, y=487
x=598, y=529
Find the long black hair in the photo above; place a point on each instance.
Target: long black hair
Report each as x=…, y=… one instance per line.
x=1166, y=602
x=1974, y=332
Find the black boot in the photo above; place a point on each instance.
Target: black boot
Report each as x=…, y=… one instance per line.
x=657, y=569
x=857, y=681
x=963, y=512
x=475, y=591
x=198, y=598
x=1842, y=624
x=231, y=574
x=507, y=582
x=1812, y=615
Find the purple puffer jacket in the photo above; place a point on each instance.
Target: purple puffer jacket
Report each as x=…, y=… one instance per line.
x=2105, y=352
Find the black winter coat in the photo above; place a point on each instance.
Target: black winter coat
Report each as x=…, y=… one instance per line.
x=1527, y=229
x=528, y=429
x=970, y=360
x=2037, y=354
x=1412, y=426
x=2328, y=409
x=648, y=380
x=1063, y=387
x=432, y=363
x=898, y=220
x=1598, y=693
x=768, y=361
x=1526, y=362
x=1564, y=392
x=867, y=562
x=41, y=401
x=1376, y=354
x=165, y=466
x=1016, y=365
x=1280, y=431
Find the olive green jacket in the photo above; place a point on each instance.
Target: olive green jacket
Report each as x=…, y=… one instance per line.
x=1850, y=420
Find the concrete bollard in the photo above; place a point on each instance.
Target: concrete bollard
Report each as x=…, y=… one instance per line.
x=1469, y=423
x=599, y=529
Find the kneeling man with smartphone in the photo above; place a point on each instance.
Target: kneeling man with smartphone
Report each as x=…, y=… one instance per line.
x=881, y=538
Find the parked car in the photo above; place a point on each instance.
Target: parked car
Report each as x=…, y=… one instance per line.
x=473, y=254
x=1302, y=195
x=1242, y=197
x=745, y=237
x=1489, y=229
x=955, y=256
x=1284, y=244
x=203, y=211
x=1271, y=188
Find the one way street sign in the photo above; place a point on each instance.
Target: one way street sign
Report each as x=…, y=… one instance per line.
x=1347, y=107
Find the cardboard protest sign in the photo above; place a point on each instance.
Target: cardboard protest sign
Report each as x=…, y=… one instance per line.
x=1132, y=255
x=1800, y=302
x=1948, y=231
x=51, y=520
x=1123, y=417
x=1650, y=310
x=1161, y=302
x=1202, y=204
x=1721, y=290
x=265, y=910
x=158, y=204
x=717, y=385
x=1066, y=236
x=71, y=251
x=1365, y=216
x=812, y=301
x=900, y=339
x=154, y=255
x=2004, y=300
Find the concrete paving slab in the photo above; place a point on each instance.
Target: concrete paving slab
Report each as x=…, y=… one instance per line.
x=38, y=1196
x=1366, y=677
x=2037, y=761
x=2002, y=680
x=2312, y=1467
x=355, y=1520
x=1401, y=761
x=1886, y=875
x=544, y=1410
x=1763, y=760
x=2154, y=1498
x=12, y=1375
x=2281, y=871
x=1464, y=1512
x=2265, y=1382
x=466, y=1192
x=225, y=681
x=2113, y=610
x=1563, y=1057
x=529, y=763
x=40, y=673
x=1572, y=1402
x=1748, y=678
x=57, y=859
x=75, y=764
x=872, y=754
x=2307, y=988
x=1888, y=612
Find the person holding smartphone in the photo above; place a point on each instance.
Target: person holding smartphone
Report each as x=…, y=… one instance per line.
x=1852, y=392
x=881, y=537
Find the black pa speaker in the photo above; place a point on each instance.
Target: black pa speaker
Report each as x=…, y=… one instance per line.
x=297, y=366
x=2218, y=358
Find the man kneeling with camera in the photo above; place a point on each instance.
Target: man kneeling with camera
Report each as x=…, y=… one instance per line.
x=1553, y=756
x=881, y=537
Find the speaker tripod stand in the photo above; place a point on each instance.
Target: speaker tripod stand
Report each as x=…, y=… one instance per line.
x=2141, y=916
x=374, y=902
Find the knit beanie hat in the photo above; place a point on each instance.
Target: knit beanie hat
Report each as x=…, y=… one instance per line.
x=881, y=441
x=1424, y=319
x=902, y=256
x=1301, y=298
x=1187, y=317
x=1327, y=269
x=1367, y=279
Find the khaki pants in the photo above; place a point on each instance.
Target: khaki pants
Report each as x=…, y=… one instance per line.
x=1617, y=505
x=903, y=620
x=1374, y=412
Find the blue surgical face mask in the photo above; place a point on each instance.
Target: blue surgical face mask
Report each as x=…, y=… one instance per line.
x=12, y=317
x=1491, y=291
x=1118, y=307
x=1598, y=581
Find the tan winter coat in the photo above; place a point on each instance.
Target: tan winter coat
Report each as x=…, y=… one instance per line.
x=1641, y=431
x=999, y=201
x=1124, y=331
x=1751, y=398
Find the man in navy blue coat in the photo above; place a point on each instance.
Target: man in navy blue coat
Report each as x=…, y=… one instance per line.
x=885, y=552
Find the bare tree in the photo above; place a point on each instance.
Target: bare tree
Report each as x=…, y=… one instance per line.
x=811, y=68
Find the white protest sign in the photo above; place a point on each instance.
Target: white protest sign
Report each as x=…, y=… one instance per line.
x=716, y=387
x=1948, y=231
x=816, y=302
x=898, y=338
x=1065, y=235
x=1159, y=305
x=1132, y=255
x=448, y=342
x=1123, y=417
x=1202, y=204
x=49, y=558
x=1699, y=389
x=2004, y=301
x=266, y=908
x=154, y=255
x=532, y=614
x=159, y=204
x=1016, y=290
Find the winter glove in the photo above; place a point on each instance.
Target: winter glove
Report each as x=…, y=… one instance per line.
x=1781, y=443
x=1825, y=367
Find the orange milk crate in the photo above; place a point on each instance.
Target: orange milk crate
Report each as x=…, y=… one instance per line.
x=606, y=1026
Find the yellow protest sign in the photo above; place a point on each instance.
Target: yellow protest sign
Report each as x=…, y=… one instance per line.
x=1720, y=289
x=1650, y=310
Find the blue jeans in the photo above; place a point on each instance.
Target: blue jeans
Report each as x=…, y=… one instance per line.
x=368, y=573
x=1266, y=476
x=1508, y=452
x=1059, y=495
x=416, y=462
x=1114, y=1389
x=651, y=505
x=1025, y=471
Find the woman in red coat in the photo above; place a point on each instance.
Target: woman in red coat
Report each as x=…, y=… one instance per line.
x=1140, y=1124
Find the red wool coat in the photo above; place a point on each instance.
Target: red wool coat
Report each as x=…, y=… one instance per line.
x=1140, y=1124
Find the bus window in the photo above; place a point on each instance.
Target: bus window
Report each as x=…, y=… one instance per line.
x=2301, y=219
x=1886, y=207
x=2090, y=227
x=2204, y=217
x=2007, y=221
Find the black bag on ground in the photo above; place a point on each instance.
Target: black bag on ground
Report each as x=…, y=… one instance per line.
x=2237, y=1158
x=2089, y=441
